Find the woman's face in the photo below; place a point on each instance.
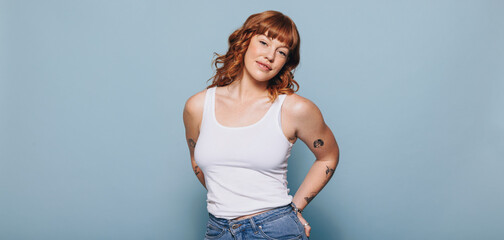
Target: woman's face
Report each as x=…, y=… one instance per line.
x=264, y=58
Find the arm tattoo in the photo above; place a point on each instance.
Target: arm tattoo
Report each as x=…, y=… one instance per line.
x=191, y=143
x=308, y=199
x=196, y=170
x=329, y=171
x=318, y=143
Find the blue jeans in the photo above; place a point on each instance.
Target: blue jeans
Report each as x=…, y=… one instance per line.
x=279, y=223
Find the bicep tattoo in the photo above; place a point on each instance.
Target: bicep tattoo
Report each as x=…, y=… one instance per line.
x=318, y=143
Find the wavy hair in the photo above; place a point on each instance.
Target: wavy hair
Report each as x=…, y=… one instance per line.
x=274, y=25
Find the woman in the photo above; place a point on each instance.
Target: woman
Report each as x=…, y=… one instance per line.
x=240, y=131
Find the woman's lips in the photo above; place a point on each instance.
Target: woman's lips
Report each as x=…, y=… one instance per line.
x=264, y=66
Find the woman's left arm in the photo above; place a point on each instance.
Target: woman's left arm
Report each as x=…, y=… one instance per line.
x=312, y=130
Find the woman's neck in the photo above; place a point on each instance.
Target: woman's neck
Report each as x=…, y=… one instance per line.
x=245, y=89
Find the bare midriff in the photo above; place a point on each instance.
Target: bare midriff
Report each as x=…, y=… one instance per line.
x=250, y=215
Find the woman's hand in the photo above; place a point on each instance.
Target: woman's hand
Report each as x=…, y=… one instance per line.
x=307, y=227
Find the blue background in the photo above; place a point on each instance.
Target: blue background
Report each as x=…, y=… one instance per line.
x=92, y=142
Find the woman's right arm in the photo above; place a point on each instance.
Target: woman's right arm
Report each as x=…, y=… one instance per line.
x=193, y=114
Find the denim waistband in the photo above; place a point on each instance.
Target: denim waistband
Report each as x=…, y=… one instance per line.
x=259, y=218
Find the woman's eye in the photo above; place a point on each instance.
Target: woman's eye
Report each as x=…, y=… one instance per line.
x=263, y=43
x=283, y=53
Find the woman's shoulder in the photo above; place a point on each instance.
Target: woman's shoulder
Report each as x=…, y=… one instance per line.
x=300, y=107
x=195, y=103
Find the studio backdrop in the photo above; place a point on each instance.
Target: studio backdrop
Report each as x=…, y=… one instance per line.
x=92, y=142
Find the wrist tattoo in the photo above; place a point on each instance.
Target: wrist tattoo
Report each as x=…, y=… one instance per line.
x=329, y=171
x=318, y=143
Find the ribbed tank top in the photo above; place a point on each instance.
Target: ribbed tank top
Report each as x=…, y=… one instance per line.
x=245, y=168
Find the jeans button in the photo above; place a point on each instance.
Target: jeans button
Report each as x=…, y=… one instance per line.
x=235, y=226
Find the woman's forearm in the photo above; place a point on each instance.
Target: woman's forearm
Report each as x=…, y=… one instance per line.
x=319, y=174
x=198, y=173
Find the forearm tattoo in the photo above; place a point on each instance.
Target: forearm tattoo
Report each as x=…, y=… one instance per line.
x=191, y=143
x=196, y=170
x=318, y=143
x=329, y=171
x=308, y=199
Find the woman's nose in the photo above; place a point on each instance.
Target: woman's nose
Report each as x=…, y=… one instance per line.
x=270, y=54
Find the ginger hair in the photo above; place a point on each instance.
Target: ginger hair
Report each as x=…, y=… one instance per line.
x=273, y=24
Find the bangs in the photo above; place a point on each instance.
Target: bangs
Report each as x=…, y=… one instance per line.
x=281, y=28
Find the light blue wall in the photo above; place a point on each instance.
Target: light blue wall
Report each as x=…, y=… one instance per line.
x=91, y=135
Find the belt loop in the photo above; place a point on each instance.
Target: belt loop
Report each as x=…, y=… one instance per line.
x=252, y=223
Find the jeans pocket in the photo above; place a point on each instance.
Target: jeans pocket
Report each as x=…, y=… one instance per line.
x=300, y=225
x=213, y=232
x=282, y=228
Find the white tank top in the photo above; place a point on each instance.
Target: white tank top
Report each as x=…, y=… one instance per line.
x=245, y=168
